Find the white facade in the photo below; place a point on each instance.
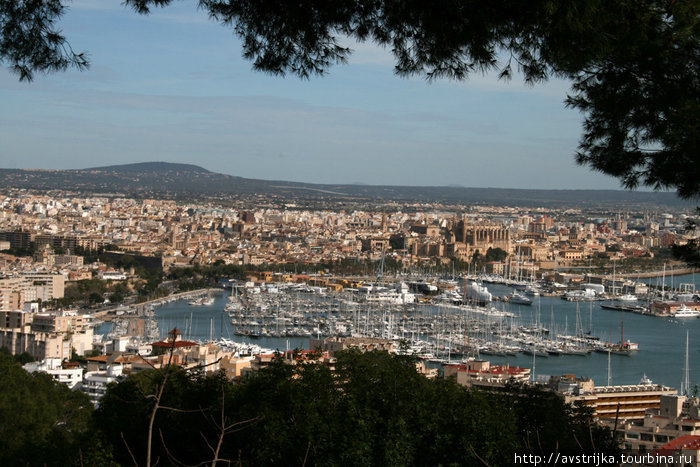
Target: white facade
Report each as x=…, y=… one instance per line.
x=71, y=377
x=95, y=382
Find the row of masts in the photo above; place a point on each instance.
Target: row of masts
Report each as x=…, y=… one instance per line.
x=459, y=329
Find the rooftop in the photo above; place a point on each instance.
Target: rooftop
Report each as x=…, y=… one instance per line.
x=631, y=388
x=687, y=442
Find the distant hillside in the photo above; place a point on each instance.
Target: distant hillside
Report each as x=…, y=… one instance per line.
x=151, y=167
x=163, y=179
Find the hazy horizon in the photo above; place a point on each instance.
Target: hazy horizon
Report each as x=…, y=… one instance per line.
x=350, y=183
x=172, y=86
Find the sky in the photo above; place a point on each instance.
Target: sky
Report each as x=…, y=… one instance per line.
x=172, y=86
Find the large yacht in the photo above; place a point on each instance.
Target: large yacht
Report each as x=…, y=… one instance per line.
x=519, y=299
x=685, y=312
x=477, y=293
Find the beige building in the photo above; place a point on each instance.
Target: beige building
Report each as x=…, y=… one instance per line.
x=51, y=337
x=336, y=344
x=234, y=367
x=676, y=416
x=11, y=299
x=482, y=373
x=481, y=236
x=47, y=286
x=34, y=286
x=571, y=254
x=623, y=402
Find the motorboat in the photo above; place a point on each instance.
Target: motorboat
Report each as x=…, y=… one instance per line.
x=519, y=299
x=685, y=312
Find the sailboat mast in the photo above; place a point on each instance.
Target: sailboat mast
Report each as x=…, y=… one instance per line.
x=622, y=332
x=613, y=282
x=663, y=284
x=685, y=389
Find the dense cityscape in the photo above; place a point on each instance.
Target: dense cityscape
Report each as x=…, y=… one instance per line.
x=371, y=233
x=84, y=279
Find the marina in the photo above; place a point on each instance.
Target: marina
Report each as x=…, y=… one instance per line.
x=563, y=337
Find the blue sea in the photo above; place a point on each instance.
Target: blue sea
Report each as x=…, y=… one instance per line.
x=662, y=341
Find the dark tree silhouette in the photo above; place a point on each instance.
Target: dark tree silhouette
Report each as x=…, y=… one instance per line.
x=30, y=40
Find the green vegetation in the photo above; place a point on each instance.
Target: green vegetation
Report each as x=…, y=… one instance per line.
x=200, y=277
x=24, y=357
x=85, y=292
x=375, y=409
x=601, y=264
x=42, y=422
x=690, y=252
x=492, y=254
x=118, y=292
x=74, y=357
x=20, y=251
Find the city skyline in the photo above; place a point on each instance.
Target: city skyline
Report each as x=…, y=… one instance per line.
x=171, y=86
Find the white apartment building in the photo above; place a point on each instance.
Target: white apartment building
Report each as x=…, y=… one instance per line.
x=71, y=377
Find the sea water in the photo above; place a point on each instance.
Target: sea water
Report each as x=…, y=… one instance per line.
x=662, y=341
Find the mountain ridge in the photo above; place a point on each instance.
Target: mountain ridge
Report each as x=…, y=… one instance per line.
x=172, y=180
x=150, y=166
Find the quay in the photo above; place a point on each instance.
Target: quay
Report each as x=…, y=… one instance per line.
x=139, y=309
x=651, y=274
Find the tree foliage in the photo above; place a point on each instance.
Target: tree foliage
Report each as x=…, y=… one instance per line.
x=42, y=422
x=642, y=98
x=374, y=409
x=30, y=40
x=690, y=251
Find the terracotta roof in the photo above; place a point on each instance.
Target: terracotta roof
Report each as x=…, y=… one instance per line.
x=494, y=370
x=99, y=358
x=687, y=442
x=128, y=358
x=459, y=367
x=178, y=344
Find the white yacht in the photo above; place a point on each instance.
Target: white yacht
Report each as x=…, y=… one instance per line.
x=519, y=299
x=398, y=296
x=685, y=312
x=531, y=290
x=627, y=298
x=477, y=293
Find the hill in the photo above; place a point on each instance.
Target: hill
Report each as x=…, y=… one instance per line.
x=163, y=179
x=151, y=167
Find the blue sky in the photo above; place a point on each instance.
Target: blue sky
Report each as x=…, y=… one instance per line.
x=172, y=86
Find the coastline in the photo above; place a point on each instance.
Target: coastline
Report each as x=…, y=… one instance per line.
x=668, y=273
